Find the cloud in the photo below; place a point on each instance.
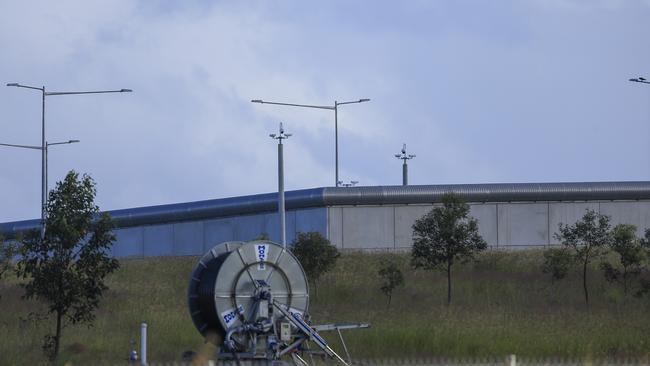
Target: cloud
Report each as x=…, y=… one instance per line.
x=499, y=91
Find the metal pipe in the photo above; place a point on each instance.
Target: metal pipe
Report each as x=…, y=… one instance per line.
x=47, y=146
x=283, y=228
x=143, y=344
x=43, y=168
x=336, y=143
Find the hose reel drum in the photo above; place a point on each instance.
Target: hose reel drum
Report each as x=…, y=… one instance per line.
x=252, y=299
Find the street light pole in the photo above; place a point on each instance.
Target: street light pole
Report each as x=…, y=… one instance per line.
x=405, y=169
x=336, y=143
x=43, y=147
x=281, y=136
x=47, y=148
x=47, y=145
x=640, y=80
x=334, y=108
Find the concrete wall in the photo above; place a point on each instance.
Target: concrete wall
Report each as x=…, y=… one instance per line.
x=507, y=225
x=197, y=237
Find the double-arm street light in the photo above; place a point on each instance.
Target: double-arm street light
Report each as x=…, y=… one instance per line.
x=43, y=147
x=47, y=145
x=334, y=108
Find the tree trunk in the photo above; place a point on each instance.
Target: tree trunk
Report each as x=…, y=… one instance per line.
x=584, y=281
x=625, y=276
x=448, y=284
x=57, y=336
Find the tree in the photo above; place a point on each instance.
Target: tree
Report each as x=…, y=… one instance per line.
x=644, y=282
x=444, y=236
x=630, y=254
x=7, y=252
x=588, y=240
x=316, y=254
x=66, y=268
x=557, y=262
x=262, y=236
x=391, y=277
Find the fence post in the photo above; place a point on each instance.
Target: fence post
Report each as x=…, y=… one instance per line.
x=512, y=360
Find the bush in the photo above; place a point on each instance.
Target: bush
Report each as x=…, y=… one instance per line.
x=316, y=254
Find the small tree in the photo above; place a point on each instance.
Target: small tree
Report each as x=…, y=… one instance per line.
x=66, y=268
x=644, y=282
x=391, y=277
x=630, y=254
x=316, y=254
x=557, y=262
x=588, y=240
x=7, y=252
x=262, y=236
x=444, y=236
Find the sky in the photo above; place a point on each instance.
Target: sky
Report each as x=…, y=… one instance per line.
x=481, y=91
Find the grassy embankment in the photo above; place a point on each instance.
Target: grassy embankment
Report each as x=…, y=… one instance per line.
x=501, y=305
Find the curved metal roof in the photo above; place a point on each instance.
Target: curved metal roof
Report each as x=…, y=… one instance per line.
x=377, y=195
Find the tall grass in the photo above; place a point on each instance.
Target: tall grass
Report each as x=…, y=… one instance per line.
x=501, y=305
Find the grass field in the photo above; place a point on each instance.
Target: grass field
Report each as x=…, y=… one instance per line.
x=501, y=305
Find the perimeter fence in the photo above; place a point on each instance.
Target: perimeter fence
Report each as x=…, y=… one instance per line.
x=406, y=361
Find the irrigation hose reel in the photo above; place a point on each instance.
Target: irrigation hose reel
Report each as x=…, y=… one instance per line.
x=252, y=300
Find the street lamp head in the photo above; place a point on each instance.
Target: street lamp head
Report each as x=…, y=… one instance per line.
x=642, y=78
x=257, y=101
x=288, y=135
x=125, y=90
x=272, y=135
x=364, y=100
x=13, y=84
x=72, y=141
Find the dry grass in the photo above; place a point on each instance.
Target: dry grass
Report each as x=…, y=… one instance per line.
x=501, y=305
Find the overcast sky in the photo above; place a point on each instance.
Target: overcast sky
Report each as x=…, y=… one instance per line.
x=481, y=91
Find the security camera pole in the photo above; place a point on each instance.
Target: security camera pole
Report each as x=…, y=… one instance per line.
x=281, y=136
x=351, y=183
x=405, y=169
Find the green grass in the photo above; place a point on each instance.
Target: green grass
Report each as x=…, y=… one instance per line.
x=501, y=305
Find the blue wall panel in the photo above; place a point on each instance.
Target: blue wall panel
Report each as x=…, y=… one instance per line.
x=217, y=231
x=128, y=243
x=272, y=226
x=314, y=219
x=249, y=227
x=158, y=240
x=197, y=237
x=188, y=238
